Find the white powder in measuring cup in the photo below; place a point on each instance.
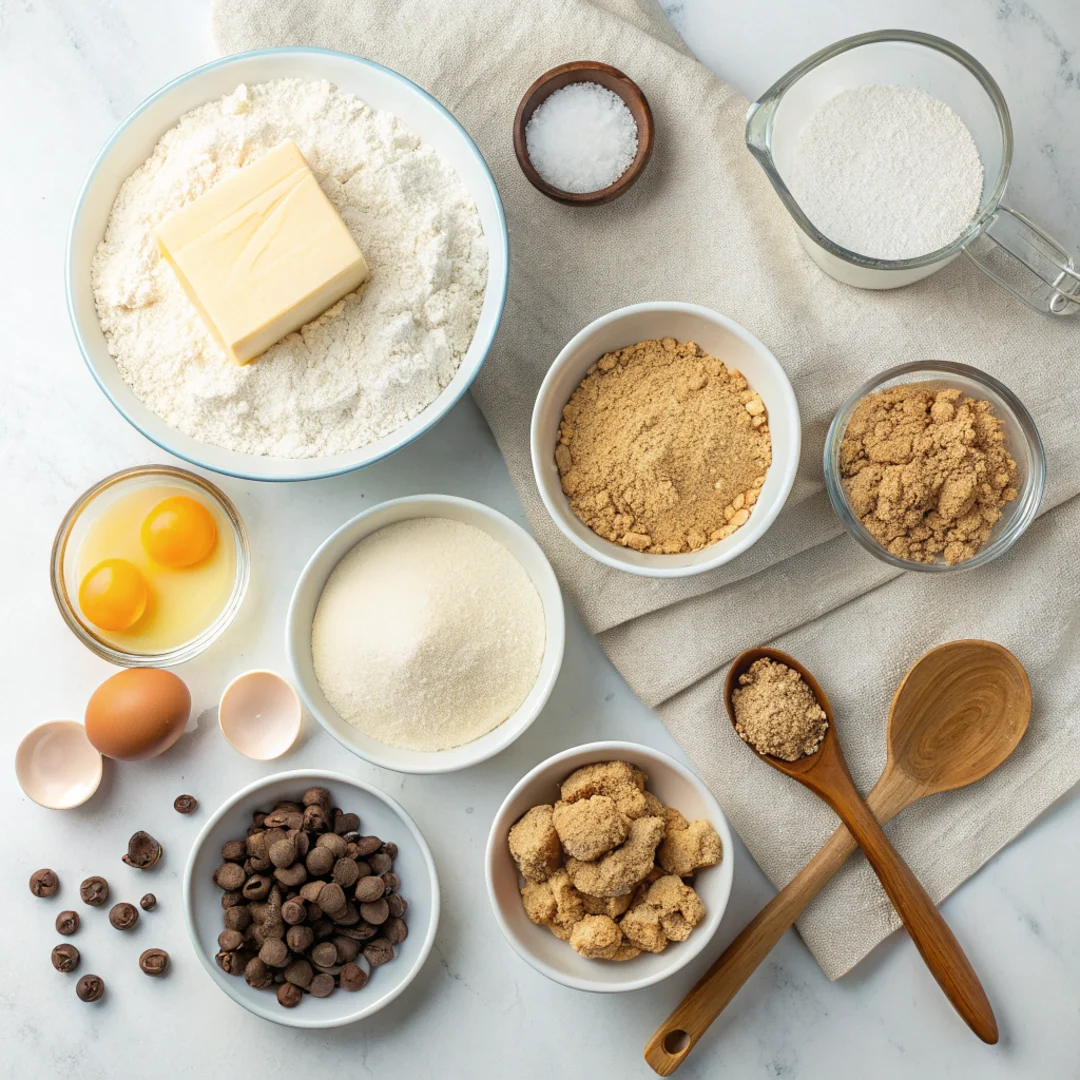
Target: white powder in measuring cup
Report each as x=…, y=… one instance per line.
x=889, y=172
x=582, y=138
x=428, y=634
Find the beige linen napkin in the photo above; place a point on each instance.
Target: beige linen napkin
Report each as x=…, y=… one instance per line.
x=703, y=225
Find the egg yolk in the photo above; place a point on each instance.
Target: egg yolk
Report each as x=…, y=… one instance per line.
x=113, y=595
x=179, y=532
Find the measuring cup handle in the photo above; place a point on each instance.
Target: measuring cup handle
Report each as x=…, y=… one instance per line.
x=1028, y=262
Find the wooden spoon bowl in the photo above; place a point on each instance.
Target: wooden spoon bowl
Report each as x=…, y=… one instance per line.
x=612, y=79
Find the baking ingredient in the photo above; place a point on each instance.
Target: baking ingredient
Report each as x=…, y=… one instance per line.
x=94, y=891
x=581, y=138
x=157, y=565
x=428, y=634
x=662, y=448
x=44, y=882
x=148, y=902
x=67, y=922
x=621, y=900
x=65, y=958
x=123, y=916
x=927, y=471
x=90, y=988
x=113, y=594
x=137, y=713
x=153, y=962
x=362, y=369
x=887, y=171
x=179, y=532
x=776, y=711
x=262, y=253
x=143, y=851
x=307, y=894
x=185, y=804
x=260, y=715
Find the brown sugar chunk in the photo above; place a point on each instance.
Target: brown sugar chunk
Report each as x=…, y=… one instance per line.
x=620, y=781
x=625, y=951
x=539, y=902
x=596, y=937
x=641, y=928
x=679, y=907
x=569, y=908
x=534, y=843
x=617, y=872
x=686, y=850
x=927, y=471
x=612, y=906
x=590, y=827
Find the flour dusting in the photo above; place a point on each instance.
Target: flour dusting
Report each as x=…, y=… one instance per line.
x=365, y=367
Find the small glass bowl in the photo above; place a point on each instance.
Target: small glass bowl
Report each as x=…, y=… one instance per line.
x=70, y=535
x=1021, y=438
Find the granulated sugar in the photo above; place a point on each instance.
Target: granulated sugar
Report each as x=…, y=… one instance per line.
x=582, y=138
x=887, y=171
x=428, y=634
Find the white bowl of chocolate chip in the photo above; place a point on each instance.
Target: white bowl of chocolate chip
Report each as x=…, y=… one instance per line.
x=609, y=867
x=261, y=931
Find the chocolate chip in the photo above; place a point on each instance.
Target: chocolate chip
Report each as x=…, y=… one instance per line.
x=185, y=804
x=324, y=954
x=124, y=916
x=290, y=995
x=148, y=902
x=369, y=889
x=154, y=962
x=90, y=987
x=94, y=891
x=229, y=876
x=368, y=845
x=346, y=872
x=344, y=823
x=299, y=973
x=322, y=985
x=378, y=951
x=376, y=913
x=65, y=958
x=44, y=883
x=257, y=974
x=353, y=977
x=230, y=940
x=380, y=862
x=396, y=930
x=234, y=851
x=397, y=905
x=143, y=851
x=67, y=922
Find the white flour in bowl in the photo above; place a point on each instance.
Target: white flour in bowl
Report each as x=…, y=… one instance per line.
x=365, y=367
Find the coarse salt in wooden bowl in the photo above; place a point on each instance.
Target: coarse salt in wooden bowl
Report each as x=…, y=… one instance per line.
x=582, y=71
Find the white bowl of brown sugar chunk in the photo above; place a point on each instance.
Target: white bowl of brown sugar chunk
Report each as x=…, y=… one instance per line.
x=665, y=439
x=681, y=897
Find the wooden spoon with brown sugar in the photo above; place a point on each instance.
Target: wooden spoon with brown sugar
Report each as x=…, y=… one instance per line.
x=959, y=713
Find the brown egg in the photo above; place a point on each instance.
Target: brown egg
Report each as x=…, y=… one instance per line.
x=138, y=713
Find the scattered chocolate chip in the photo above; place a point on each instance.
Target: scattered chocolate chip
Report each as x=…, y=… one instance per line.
x=90, y=987
x=123, y=916
x=154, y=962
x=143, y=851
x=67, y=922
x=185, y=804
x=65, y=958
x=94, y=891
x=148, y=902
x=44, y=882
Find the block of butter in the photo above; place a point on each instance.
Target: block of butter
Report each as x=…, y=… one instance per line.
x=262, y=253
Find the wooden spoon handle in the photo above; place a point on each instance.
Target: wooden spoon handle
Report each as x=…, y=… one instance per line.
x=677, y=1036
x=928, y=929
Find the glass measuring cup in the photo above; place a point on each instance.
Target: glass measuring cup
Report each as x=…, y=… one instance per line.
x=1002, y=242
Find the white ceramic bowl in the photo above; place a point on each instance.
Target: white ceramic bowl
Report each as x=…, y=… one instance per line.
x=674, y=785
x=132, y=143
x=718, y=336
x=379, y=816
x=309, y=588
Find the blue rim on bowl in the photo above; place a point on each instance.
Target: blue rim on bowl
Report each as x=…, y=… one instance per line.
x=498, y=245
x=1022, y=440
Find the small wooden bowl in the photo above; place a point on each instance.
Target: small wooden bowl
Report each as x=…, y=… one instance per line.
x=612, y=79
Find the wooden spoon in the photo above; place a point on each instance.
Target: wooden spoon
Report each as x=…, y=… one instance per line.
x=959, y=713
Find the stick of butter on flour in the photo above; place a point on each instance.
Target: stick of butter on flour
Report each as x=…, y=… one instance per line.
x=262, y=253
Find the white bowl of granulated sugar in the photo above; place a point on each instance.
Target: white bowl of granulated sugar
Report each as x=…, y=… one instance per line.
x=426, y=634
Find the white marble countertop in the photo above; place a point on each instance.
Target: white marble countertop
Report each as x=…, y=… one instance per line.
x=69, y=70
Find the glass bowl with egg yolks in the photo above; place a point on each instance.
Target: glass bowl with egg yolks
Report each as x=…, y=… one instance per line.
x=150, y=566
